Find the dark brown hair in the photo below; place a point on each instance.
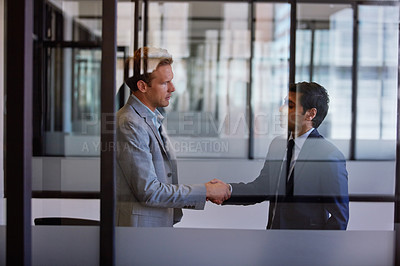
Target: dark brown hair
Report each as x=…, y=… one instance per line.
x=313, y=96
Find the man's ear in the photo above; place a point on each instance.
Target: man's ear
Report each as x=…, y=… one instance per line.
x=311, y=113
x=142, y=86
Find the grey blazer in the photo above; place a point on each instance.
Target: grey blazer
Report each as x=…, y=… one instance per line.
x=148, y=194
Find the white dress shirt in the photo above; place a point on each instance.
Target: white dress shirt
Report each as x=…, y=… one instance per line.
x=298, y=144
x=156, y=117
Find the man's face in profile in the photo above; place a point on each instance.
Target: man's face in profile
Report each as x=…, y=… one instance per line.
x=292, y=112
x=160, y=88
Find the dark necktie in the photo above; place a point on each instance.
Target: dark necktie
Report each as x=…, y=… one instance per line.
x=161, y=134
x=289, y=180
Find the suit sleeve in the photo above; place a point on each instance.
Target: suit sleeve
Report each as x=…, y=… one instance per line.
x=258, y=190
x=248, y=193
x=136, y=162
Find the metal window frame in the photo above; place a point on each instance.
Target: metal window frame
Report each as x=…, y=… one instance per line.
x=397, y=182
x=19, y=84
x=19, y=45
x=108, y=133
x=251, y=22
x=354, y=85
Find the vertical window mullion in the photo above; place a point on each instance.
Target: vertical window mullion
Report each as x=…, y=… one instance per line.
x=354, y=84
x=397, y=184
x=250, y=83
x=108, y=139
x=19, y=83
x=292, y=58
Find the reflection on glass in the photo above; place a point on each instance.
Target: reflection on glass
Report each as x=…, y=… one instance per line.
x=324, y=55
x=72, y=66
x=72, y=101
x=73, y=20
x=270, y=72
x=86, y=87
x=377, y=82
x=67, y=90
x=210, y=44
x=70, y=92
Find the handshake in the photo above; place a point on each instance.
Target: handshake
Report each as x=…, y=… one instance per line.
x=217, y=191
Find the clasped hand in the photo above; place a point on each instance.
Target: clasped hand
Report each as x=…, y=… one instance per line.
x=217, y=191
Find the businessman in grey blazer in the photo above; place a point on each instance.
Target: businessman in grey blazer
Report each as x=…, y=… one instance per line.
x=148, y=193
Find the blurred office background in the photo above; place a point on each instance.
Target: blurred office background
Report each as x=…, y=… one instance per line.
x=232, y=68
x=231, y=64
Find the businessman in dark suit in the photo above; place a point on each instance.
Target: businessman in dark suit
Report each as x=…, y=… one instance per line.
x=304, y=176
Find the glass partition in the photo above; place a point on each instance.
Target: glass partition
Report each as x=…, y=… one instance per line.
x=270, y=75
x=324, y=50
x=324, y=53
x=217, y=63
x=72, y=102
x=376, y=124
x=67, y=60
x=208, y=116
x=68, y=87
x=210, y=45
x=378, y=45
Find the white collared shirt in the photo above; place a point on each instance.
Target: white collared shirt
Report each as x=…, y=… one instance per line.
x=156, y=117
x=298, y=144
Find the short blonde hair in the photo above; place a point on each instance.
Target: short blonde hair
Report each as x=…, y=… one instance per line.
x=145, y=61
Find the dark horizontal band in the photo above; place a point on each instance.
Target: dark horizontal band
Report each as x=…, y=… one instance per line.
x=96, y=195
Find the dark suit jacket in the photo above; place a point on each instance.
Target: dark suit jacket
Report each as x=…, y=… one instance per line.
x=320, y=199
